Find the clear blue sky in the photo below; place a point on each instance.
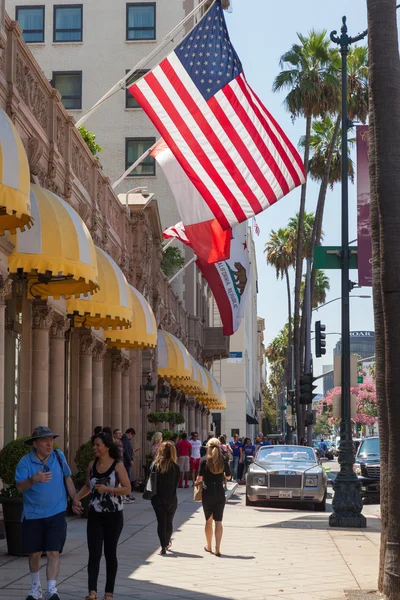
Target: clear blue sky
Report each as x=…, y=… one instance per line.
x=261, y=31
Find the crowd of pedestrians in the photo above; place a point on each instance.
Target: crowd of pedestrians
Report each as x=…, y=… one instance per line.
x=43, y=477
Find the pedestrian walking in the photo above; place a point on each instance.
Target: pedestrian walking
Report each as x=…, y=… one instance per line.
x=225, y=448
x=165, y=501
x=184, y=450
x=236, y=447
x=248, y=452
x=214, y=469
x=107, y=481
x=156, y=442
x=43, y=477
x=128, y=455
x=117, y=437
x=195, y=456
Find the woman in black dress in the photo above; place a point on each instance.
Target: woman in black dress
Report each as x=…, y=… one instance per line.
x=165, y=502
x=214, y=469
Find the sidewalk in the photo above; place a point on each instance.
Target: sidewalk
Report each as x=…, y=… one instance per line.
x=268, y=553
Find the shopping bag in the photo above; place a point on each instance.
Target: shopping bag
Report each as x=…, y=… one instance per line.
x=150, y=489
x=198, y=492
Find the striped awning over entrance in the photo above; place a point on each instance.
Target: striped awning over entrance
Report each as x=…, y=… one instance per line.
x=15, y=211
x=57, y=253
x=173, y=359
x=111, y=306
x=143, y=331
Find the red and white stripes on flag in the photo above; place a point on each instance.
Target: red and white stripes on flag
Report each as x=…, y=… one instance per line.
x=231, y=148
x=177, y=231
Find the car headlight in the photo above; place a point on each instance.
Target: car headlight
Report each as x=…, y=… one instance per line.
x=357, y=469
x=259, y=480
x=311, y=481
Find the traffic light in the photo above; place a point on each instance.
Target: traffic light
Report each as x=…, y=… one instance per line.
x=290, y=399
x=320, y=339
x=307, y=388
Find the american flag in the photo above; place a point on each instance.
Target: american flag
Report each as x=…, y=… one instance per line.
x=256, y=227
x=229, y=145
x=176, y=231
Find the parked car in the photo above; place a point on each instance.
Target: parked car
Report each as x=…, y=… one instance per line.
x=330, y=450
x=286, y=473
x=368, y=468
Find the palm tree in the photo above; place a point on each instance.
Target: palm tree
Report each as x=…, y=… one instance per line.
x=308, y=226
x=309, y=73
x=280, y=254
x=384, y=87
x=322, y=286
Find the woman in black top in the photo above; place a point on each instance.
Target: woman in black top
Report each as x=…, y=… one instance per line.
x=165, y=502
x=214, y=469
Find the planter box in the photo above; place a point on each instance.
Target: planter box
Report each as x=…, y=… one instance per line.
x=12, y=513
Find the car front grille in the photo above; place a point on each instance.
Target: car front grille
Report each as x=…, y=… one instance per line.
x=373, y=471
x=285, y=481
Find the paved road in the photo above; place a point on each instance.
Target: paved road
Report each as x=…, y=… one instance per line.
x=268, y=553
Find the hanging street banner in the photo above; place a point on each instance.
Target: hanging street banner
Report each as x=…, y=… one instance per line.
x=363, y=208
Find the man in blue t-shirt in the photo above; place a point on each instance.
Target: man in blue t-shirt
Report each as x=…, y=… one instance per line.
x=322, y=448
x=43, y=478
x=236, y=447
x=265, y=442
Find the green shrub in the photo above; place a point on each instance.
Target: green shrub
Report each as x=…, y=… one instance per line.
x=84, y=455
x=90, y=139
x=166, y=433
x=172, y=261
x=173, y=418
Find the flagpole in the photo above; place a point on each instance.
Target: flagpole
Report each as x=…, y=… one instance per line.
x=119, y=85
x=171, y=241
x=134, y=165
x=183, y=268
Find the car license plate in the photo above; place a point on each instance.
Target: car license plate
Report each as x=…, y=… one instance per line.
x=285, y=494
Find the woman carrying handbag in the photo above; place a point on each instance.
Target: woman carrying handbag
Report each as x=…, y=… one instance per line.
x=214, y=469
x=166, y=474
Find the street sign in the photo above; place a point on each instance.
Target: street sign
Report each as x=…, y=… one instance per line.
x=328, y=257
x=360, y=379
x=235, y=357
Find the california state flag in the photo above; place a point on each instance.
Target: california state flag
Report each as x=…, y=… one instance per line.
x=229, y=280
x=206, y=236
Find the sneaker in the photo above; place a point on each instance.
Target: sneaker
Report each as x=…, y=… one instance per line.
x=128, y=501
x=52, y=596
x=35, y=593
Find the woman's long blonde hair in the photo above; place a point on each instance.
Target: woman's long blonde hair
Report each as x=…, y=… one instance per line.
x=215, y=460
x=166, y=456
x=157, y=438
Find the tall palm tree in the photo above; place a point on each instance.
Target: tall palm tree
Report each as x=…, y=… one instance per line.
x=309, y=73
x=280, y=254
x=322, y=286
x=384, y=86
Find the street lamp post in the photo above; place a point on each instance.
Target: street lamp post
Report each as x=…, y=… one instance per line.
x=339, y=298
x=347, y=502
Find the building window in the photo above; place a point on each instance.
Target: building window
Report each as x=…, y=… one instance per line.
x=31, y=20
x=134, y=148
x=68, y=23
x=141, y=21
x=130, y=101
x=69, y=84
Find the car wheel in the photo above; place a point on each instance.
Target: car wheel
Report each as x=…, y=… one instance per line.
x=320, y=506
x=249, y=502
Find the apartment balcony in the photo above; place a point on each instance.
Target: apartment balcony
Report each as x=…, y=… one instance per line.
x=216, y=344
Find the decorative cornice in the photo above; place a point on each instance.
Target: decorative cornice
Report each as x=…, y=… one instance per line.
x=5, y=288
x=59, y=326
x=126, y=366
x=42, y=316
x=117, y=362
x=99, y=350
x=86, y=344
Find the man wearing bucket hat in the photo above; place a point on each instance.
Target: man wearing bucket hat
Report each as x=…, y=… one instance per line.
x=43, y=477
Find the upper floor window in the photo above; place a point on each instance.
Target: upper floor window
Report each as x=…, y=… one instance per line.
x=69, y=84
x=130, y=101
x=141, y=21
x=31, y=20
x=134, y=148
x=67, y=23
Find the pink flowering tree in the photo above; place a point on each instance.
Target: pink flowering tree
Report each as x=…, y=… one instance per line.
x=365, y=392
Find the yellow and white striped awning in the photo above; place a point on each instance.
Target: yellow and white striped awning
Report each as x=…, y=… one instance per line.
x=58, y=248
x=215, y=399
x=15, y=211
x=173, y=359
x=143, y=331
x=197, y=385
x=111, y=306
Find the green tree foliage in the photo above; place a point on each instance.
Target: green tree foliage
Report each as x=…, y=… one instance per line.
x=269, y=409
x=90, y=139
x=172, y=261
x=322, y=426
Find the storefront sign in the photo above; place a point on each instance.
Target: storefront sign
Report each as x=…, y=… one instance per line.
x=235, y=357
x=363, y=208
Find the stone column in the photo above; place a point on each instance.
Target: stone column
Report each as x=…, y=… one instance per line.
x=99, y=352
x=205, y=421
x=86, y=346
x=57, y=376
x=192, y=414
x=5, y=290
x=173, y=400
x=126, y=367
x=42, y=318
x=135, y=411
x=116, y=389
x=199, y=423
